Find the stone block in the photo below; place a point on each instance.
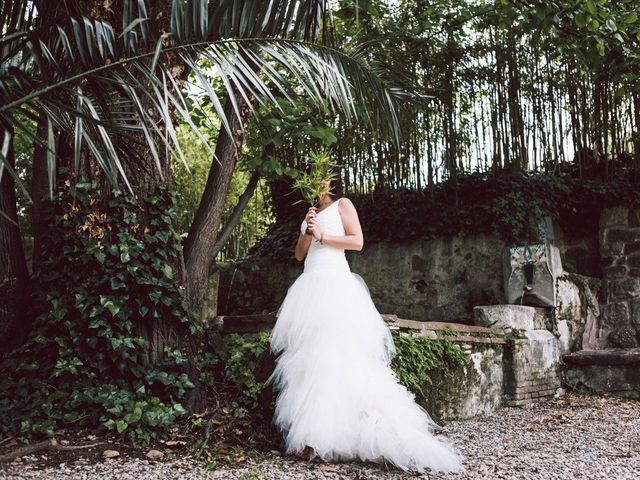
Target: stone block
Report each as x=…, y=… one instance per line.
x=611, y=249
x=542, y=318
x=530, y=272
x=476, y=391
x=532, y=364
x=564, y=339
x=614, y=217
x=540, y=349
x=615, y=272
x=590, y=334
x=632, y=247
x=621, y=290
x=624, y=337
x=569, y=303
x=635, y=311
x=624, y=235
x=615, y=314
x=576, y=314
x=505, y=316
x=634, y=217
x=634, y=260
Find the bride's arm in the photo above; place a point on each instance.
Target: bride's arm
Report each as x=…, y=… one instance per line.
x=353, y=239
x=304, y=240
x=303, y=246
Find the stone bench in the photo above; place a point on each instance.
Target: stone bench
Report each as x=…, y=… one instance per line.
x=613, y=370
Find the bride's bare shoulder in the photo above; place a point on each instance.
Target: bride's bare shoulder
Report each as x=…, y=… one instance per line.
x=346, y=208
x=346, y=204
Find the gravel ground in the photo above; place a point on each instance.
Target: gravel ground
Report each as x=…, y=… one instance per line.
x=571, y=437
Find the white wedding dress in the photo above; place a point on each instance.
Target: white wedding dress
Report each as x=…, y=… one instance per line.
x=336, y=391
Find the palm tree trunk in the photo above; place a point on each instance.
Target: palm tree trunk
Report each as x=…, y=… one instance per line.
x=15, y=322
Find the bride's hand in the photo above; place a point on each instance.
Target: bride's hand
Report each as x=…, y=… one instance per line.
x=310, y=214
x=314, y=228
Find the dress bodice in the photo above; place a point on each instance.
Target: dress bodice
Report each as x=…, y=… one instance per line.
x=320, y=256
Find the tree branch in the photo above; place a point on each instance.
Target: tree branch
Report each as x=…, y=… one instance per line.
x=243, y=201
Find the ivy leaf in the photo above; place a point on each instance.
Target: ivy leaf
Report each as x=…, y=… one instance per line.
x=167, y=270
x=121, y=426
x=108, y=303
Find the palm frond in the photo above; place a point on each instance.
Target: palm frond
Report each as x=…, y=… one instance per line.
x=114, y=93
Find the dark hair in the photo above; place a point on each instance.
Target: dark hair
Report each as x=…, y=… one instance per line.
x=337, y=187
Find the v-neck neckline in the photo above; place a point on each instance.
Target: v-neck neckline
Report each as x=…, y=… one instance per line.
x=327, y=208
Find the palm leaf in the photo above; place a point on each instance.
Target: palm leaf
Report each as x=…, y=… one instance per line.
x=82, y=77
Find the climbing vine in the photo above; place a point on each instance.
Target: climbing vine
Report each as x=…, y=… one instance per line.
x=509, y=205
x=86, y=363
x=418, y=358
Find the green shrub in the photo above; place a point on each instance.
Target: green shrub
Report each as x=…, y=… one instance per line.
x=244, y=356
x=104, y=283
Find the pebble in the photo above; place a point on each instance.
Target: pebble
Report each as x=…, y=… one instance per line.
x=570, y=437
x=155, y=455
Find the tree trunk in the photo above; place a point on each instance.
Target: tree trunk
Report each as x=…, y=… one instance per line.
x=39, y=181
x=200, y=242
x=15, y=320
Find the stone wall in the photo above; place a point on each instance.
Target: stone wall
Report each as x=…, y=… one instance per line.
x=514, y=366
x=427, y=280
x=620, y=254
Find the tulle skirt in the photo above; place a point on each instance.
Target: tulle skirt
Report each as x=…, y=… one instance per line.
x=336, y=391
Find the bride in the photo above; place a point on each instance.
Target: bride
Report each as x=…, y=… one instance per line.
x=337, y=395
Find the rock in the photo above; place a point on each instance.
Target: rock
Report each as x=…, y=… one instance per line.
x=560, y=392
x=615, y=314
x=634, y=218
x=624, y=337
x=505, y=316
x=635, y=311
x=614, y=217
x=623, y=235
x=155, y=455
x=564, y=340
x=110, y=453
x=174, y=443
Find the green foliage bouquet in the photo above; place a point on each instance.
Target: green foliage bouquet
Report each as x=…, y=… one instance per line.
x=320, y=168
